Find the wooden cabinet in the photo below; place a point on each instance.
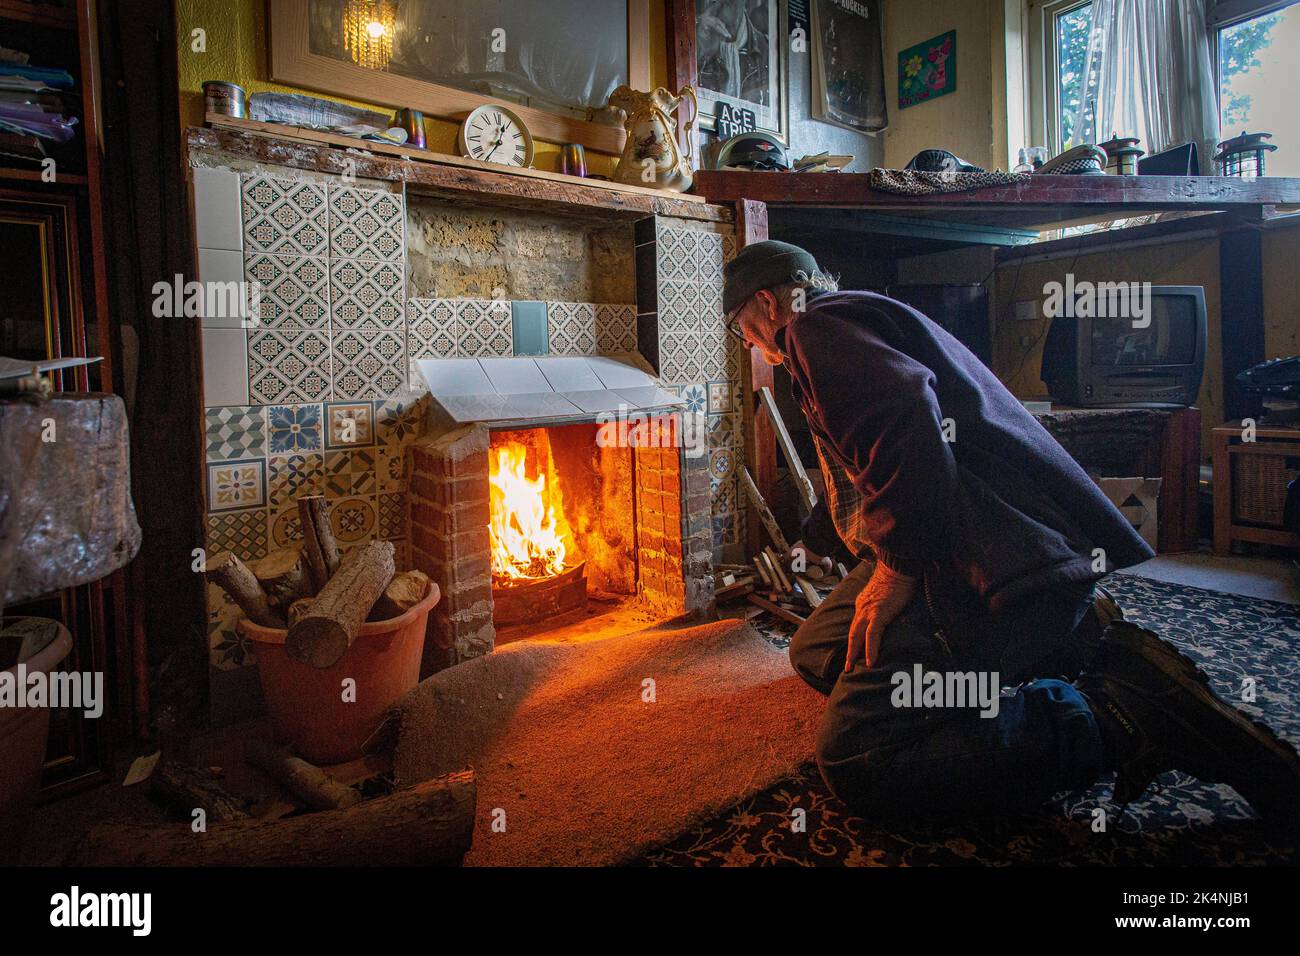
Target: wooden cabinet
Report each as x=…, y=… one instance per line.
x=1250, y=479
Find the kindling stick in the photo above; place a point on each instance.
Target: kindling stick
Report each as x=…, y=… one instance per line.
x=764, y=512
x=801, y=480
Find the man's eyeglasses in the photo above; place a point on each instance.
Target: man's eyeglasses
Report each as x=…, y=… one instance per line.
x=733, y=325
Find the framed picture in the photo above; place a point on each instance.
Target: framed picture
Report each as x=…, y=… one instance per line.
x=553, y=64
x=927, y=70
x=742, y=61
x=848, y=72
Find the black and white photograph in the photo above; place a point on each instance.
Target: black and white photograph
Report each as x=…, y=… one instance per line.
x=741, y=59
x=848, y=74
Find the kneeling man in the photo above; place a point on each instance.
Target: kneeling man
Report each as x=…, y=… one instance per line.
x=987, y=540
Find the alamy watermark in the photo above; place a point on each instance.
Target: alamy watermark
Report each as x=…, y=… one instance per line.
x=209, y=300
x=1098, y=300
x=947, y=690
x=20, y=687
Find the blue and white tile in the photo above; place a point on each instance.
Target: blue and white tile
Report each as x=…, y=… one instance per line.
x=293, y=428
x=286, y=216
x=571, y=328
x=432, y=328
x=485, y=327
x=615, y=329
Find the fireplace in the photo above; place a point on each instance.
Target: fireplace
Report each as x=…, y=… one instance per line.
x=547, y=490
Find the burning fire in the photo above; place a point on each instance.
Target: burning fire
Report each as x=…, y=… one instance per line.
x=526, y=543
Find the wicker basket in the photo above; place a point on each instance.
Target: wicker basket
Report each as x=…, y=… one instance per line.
x=1259, y=487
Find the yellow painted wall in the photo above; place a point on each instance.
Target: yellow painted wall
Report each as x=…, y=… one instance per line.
x=1282, y=291
x=237, y=51
x=962, y=121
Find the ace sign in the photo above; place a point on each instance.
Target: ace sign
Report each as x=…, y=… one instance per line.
x=733, y=120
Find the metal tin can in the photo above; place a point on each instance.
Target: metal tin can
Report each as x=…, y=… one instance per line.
x=573, y=159
x=413, y=122
x=228, y=99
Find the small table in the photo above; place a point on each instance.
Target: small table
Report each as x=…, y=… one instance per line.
x=1232, y=516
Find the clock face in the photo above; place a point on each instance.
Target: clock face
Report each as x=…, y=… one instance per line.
x=493, y=134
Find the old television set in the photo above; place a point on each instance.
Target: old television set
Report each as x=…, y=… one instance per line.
x=1113, y=359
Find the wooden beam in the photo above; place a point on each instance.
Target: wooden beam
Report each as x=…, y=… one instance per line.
x=682, y=63
x=451, y=177
x=801, y=480
x=760, y=439
x=1241, y=316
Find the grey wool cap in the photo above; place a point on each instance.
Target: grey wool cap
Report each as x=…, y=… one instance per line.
x=763, y=265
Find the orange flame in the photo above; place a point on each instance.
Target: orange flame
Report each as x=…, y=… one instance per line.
x=526, y=542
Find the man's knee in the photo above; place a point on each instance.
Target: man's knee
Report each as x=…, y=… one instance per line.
x=812, y=658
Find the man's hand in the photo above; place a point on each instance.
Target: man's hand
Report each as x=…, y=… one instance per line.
x=882, y=600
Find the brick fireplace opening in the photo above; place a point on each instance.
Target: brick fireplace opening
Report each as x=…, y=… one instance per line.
x=530, y=529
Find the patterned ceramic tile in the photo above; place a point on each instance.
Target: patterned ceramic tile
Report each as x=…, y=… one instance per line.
x=390, y=468
x=676, y=254
x=432, y=328
x=571, y=328
x=724, y=431
x=294, y=475
x=284, y=526
x=485, y=327
x=365, y=223
x=366, y=294
x=293, y=428
x=722, y=466
x=725, y=490
x=235, y=431
x=678, y=309
x=722, y=397
x=712, y=353
x=726, y=529
x=350, y=472
x=391, y=516
x=284, y=215
x=615, y=329
x=228, y=649
x=696, y=398
x=233, y=485
x=293, y=291
x=368, y=364
x=680, y=359
x=709, y=258
x=400, y=419
x=353, y=519
x=288, y=367
x=349, y=424
x=728, y=248
x=242, y=532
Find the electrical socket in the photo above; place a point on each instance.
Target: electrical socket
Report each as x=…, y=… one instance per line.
x=1025, y=310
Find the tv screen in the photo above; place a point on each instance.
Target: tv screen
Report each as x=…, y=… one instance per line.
x=1170, y=339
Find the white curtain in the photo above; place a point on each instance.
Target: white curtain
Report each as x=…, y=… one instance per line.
x=1154, y=79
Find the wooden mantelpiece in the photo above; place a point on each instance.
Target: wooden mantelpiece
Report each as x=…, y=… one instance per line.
x=451, y=177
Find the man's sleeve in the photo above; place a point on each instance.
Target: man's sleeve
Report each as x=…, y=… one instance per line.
x=878, y=409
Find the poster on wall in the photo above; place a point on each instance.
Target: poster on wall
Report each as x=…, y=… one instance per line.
x=741, y=62
x=848, y=70
x=927, y=70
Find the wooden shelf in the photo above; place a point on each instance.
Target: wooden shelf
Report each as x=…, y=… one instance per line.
x=1041, y=201
x=437, y=174
x=60, y=18
x=34, y=176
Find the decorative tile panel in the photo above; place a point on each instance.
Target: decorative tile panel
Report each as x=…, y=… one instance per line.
x=349, y=424
x=432, y=329
x=485, y=327
x=235, y=432
x=571, y=328
x=368, y=365
x=366, y=295
x=240, y=532
x=349, y=472
x=228, y=649
x=391, y=516
x=390, y=468
x=615, y=329
x=284, y=526
x=288, y=367
x=284, y=215
x=400, y=419
x=293, y=428
x=234, y=485
x=353, y=519
x=294, y=291
x=365, y=223
x=294, y=475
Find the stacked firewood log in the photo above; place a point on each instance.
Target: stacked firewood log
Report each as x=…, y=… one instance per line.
x=321, y=597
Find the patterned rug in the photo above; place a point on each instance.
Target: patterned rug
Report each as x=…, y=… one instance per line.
x=1184, y=822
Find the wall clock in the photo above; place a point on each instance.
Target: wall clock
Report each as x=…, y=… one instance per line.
x=493, y=134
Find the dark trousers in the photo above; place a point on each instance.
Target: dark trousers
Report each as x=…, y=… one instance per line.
x=889, y=760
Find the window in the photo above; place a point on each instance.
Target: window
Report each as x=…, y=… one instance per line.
x=1058, y=55
x=1256, y=64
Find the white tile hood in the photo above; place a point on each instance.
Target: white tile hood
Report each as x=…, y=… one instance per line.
x=526, y=389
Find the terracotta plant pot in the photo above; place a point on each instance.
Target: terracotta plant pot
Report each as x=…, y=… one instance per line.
x=23, y=735
x=307, y=706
